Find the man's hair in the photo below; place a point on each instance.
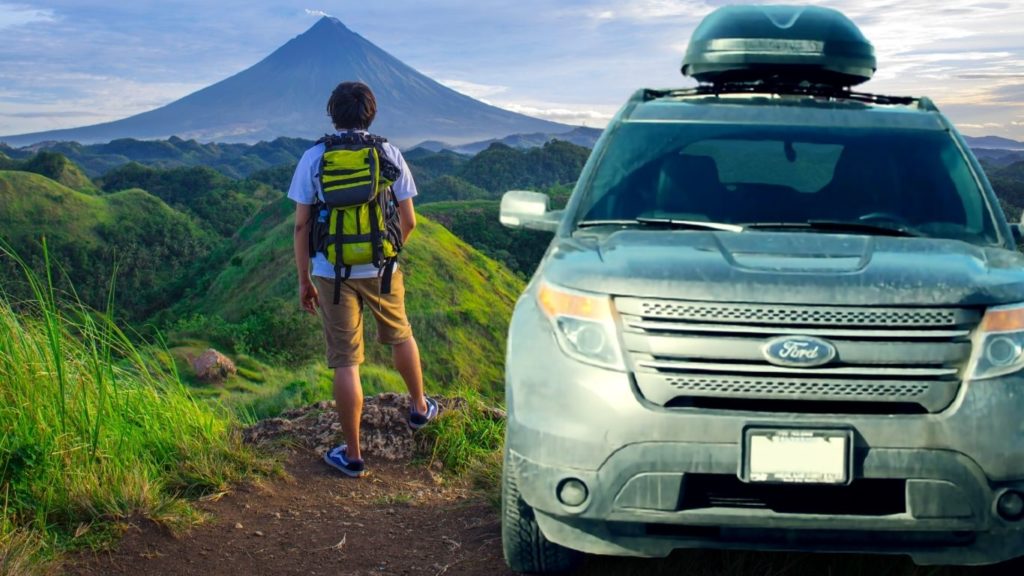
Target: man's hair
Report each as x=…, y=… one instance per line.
x=352, y=106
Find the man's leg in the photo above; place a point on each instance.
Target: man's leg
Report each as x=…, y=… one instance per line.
x=348, y=401
x=406, y=357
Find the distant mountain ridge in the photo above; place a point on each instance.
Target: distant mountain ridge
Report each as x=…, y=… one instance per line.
x=993, y=142
x=580, y=136
x=286, y=93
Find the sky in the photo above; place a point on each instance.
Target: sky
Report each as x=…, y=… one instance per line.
x=66, y=63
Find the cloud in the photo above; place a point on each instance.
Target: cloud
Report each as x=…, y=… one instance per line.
x=473, y=89
x=564, y=113
x=12, y=15
x=570, y=60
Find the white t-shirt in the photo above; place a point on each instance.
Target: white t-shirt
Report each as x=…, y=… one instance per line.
x=305, y=189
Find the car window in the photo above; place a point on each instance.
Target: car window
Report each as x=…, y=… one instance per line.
x=745, y=174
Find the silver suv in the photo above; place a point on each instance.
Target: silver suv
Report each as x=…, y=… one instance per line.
x=777, y=314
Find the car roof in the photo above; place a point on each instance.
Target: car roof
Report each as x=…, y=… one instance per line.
x=808, y=109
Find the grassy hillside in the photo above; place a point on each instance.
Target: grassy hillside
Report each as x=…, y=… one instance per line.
x=96, y=430
x=54, y=166
x=150, y=246
x=458, y=301
x=220, y=203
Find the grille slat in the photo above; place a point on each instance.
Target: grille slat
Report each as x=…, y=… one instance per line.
x=850, y=371
x=714, y=351
x=664, y=388
x=797, y=315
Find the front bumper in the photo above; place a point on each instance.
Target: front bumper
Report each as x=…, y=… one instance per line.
x=569, y=420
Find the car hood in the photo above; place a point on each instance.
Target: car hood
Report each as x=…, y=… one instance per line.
x=787, y=268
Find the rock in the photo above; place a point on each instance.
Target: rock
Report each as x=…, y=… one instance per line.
x=238, y=526
x=385, y=431
x=213, y=367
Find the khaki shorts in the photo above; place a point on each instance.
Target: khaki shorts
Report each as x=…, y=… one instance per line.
x=343, y=322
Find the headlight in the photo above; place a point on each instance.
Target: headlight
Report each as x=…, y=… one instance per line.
x=999, y=345
x=583, y=324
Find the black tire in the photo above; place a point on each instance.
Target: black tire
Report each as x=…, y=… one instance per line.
x=526, y=549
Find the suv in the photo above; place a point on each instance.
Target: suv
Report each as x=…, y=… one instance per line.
x=777, y=314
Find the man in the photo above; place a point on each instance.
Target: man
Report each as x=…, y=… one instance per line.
x=352, y=108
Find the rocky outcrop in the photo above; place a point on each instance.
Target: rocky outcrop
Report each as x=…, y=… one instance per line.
x=213, y=367
x=385, y=431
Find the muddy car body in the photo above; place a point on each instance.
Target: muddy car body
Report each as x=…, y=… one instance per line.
x=776, y=315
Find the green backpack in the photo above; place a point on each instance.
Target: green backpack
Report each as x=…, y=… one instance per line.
x=356, y=221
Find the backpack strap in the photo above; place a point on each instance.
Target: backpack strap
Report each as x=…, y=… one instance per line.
x=339, y=267
x=386, y=274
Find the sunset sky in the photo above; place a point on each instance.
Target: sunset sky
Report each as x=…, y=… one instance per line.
x=66, y=63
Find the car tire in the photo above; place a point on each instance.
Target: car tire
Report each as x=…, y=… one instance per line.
x=526, y=549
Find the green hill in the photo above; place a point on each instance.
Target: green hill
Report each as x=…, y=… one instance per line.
x=149, y=245
x=54, y=166
x=458, y=300
x=220, y=203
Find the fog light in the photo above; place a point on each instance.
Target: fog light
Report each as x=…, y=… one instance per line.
x=572, y=492
x=1002, y=351
x=1011, y=506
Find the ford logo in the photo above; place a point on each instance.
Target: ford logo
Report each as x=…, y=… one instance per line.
x=799, y=351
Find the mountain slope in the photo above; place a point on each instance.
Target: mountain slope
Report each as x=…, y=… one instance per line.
x=286, y=94
x=129, y=235
x=458, y=300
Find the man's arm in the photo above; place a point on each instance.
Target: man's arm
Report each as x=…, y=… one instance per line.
x=407, y=218
x=307, y=292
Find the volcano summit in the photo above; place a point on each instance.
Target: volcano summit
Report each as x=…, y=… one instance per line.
x=286, y=93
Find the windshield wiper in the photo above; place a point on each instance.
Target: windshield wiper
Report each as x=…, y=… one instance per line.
x=840, y=226
x=665, y=222
x=690, y=224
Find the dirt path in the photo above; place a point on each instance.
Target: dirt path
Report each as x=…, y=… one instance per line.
x=400, y=520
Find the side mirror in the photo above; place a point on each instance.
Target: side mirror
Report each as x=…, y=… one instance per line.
x=522, y=209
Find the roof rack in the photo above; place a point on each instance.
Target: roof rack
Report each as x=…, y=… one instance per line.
x=784, y=89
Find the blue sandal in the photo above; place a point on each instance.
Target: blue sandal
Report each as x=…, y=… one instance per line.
x=338, y=458
x=418, y=420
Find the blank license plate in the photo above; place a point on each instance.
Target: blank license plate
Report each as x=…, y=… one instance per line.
x=798, y=456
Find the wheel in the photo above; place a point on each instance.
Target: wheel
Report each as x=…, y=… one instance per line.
x=526, y=549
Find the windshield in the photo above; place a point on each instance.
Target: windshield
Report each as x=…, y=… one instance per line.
x=905, y=179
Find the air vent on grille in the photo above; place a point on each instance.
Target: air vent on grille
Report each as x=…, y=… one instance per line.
x=798, y=315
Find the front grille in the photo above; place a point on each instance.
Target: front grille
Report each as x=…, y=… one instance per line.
x=690, y=353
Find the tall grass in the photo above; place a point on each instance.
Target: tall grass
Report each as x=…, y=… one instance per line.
x=468, y=442
x=94, y=428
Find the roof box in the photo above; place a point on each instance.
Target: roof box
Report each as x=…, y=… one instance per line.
x=779, y=44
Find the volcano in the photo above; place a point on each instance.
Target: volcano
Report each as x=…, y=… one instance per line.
x=286, y=94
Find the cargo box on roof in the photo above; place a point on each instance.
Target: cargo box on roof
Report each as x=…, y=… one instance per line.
x=779, y=44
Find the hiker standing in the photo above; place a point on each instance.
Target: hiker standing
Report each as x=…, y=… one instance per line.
x=353, y=212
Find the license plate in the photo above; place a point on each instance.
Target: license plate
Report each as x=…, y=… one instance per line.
x=797, y=456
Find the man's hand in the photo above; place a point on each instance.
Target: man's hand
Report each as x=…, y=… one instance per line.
x=308, y=297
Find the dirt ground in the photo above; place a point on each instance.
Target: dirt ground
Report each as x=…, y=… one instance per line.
x=403, y=519
x=399, y=520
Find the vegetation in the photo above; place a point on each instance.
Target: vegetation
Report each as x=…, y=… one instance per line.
x=132, y=236
x=218, y=202
x=458, y=300
x=96, y=429
x=1008, y=183
x=234, y=160
x=469, y=441
x=477, y=223
x=501, y=168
